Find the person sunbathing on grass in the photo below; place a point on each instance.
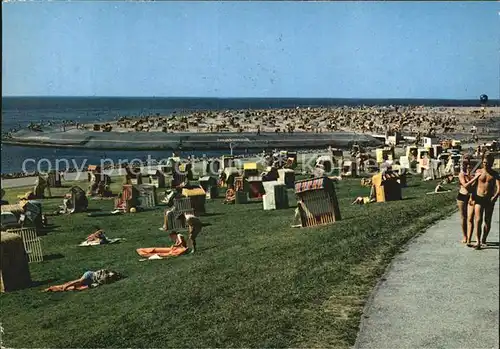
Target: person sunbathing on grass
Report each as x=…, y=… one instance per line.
x=98, y=236
x=440, y=189
x=93, y=278
x=363, y=200
x=178, y=239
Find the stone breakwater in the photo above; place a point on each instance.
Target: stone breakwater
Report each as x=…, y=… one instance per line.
x=77, y=138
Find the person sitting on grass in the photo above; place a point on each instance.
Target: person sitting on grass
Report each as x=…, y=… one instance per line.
x=168, y=214
x=194, y=228
x=93, y=278
x=297, y=219
x=3, y=202
x=170, y=195
x=178, y=239
x=67, y=204
x=222, y=179
x=363, y=200
x=230, y=195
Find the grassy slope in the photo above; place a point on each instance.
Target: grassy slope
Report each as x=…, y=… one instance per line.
x=255, y=282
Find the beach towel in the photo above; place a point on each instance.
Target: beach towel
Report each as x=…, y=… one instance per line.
x=59, y=288
x=101, y=242
x=103, y=214
x=438, y=192
x=97, y=278
x=161, y=252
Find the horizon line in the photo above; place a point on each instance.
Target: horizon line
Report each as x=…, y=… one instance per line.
x=197, y=97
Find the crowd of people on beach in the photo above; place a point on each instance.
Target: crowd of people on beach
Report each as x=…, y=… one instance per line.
x=370, y=119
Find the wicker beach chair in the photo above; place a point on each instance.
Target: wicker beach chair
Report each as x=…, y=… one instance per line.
x=32, y=243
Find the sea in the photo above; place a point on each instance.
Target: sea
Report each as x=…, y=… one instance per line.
x=18, y=112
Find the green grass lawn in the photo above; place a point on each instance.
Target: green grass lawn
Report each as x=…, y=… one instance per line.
x=254, y=282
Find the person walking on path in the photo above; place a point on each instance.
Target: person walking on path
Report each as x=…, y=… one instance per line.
x=464, y=200
x=485, y=197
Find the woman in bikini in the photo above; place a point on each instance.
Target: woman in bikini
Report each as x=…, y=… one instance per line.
x=464, y=200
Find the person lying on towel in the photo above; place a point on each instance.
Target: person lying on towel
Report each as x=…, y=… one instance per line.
x=98, y=236
x=178, y=248
x=440, y=189
x=92, y=278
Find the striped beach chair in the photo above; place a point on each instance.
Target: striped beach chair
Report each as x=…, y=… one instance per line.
x=32, y=243
x=171, y=217
x=318, y=203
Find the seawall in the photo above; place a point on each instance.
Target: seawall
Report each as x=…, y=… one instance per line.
x=81, y=139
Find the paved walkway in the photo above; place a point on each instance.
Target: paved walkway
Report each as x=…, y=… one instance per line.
x=437, y=294
x=30, y=181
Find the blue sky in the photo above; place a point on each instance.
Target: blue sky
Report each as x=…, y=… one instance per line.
x=252, y=49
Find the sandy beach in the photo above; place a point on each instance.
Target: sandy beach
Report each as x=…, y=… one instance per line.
x=408, y=120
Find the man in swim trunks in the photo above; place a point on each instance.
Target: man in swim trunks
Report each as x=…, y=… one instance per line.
x=485, y=197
